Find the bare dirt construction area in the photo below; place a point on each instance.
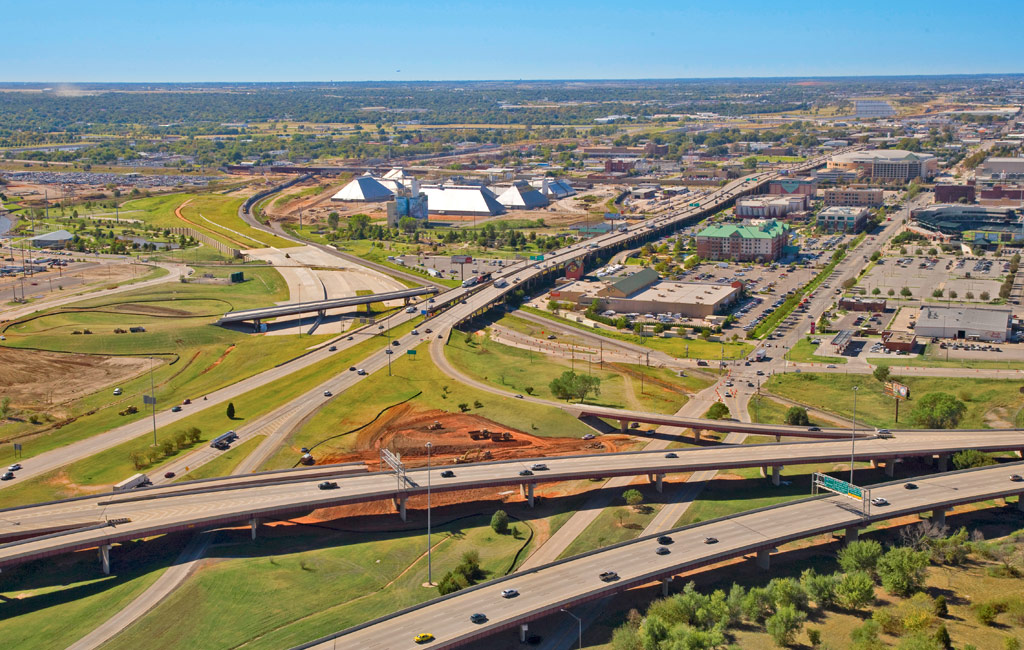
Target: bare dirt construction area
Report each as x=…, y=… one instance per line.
x=406, y=430
x=26, y=376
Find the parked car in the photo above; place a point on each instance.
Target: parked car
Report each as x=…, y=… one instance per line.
x=117, y=391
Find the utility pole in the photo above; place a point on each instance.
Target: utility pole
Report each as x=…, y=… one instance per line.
x=152, y=398
x=430, y=581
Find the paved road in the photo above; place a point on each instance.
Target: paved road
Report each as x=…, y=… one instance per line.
x=548, y=588
x=148, y=513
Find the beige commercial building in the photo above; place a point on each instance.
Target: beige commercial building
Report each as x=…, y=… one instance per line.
x=857, y=197
x=644, y=293
x=886, y=164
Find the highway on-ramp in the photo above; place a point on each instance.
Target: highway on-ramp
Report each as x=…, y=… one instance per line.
x=575, y=580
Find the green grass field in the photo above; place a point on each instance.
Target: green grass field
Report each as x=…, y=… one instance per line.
x=677, y=347
x=617, y=523
x=984, y=398
x=803, y=352
x=296, y=585
x=412, y=375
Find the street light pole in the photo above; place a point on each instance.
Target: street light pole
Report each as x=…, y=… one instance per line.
x=579, y=622
x=430, y=580
x=853, y=433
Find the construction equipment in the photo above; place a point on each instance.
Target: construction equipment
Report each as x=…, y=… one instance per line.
x=436, y=426
x=472, y=456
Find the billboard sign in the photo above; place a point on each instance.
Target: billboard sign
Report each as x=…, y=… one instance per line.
x=897, y=390
x=461, y=259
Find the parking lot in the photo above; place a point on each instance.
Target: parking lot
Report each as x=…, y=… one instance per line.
x=924, y=275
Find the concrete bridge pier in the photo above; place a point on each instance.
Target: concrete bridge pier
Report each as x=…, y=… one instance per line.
x=890, y=467
x=526, y=491
x=658, y=480
x=664, y=585
x=942, y=462
x=776, y=475
x=1020, y=502
x=399, y=502
x=624, y=425
x=852, y=534
x=939, y=516
x=254, y=523
x=764, y=559
x=105, y=558
x=696, y=436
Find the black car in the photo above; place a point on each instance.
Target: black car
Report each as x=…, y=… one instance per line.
x=526, y=472
x=169, y=474
x=395, y=343
x=7, y=476
x=910, y=486
x=814, y=428
x=351, y=368
x=671, y=454
x=478, y=618
x=448, y=474
x=328, y=485
x=664, y=539
x=1016, y=478
x=710, y=540
x=333, y=348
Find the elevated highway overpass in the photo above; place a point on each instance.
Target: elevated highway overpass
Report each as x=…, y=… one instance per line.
x=115, y=517
x=319, y=306
x=572, y=581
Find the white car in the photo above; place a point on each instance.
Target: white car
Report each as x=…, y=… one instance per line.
x=879, y=501
x=117, y=391
x=510, y=593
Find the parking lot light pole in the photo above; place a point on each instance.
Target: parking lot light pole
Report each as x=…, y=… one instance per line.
x=430, y=580
x=853, y=433
x=579, y=622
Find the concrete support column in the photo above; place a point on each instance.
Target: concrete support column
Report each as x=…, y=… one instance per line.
x=764, y=560
x=659, y=482
x=939, y=516
x=1020, y=503
x=890, y=467
x=624, y=425
x=529, y=494
x=401, y=507
x=852, y=534
x=942, y=462
x=522, y=632
x=778, y=438
x=776, y=474
x=696, y=436
x=664, y=586
x=105, y=558
x=254, y=522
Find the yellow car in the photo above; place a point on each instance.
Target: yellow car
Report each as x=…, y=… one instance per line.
x=424, y=637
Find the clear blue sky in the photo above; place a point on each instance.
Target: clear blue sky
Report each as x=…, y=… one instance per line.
x=220, y=40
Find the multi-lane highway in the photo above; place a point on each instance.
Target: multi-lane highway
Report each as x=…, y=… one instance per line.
x=231, y=500
x=548, y=588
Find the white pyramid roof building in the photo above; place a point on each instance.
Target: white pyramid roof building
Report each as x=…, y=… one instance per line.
x=553, y=188
x=461, y=199
x=365, y=188
x=522, y=196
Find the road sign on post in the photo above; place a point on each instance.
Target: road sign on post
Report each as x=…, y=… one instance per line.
x=832, y=484
x=148, y=399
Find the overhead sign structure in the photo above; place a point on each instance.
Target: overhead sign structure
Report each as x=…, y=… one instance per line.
x=897, y=390
x=832, y=484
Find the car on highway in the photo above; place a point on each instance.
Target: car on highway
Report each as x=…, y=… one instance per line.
x=117, y=391
x=333, y=348
x=883, y=433
x=14, y=468
x=447, y=474
x=328, y=393
x=327, y=485
x=7, y=476
x=671, y=454
x=760, y=373
x=608, y=576
x=525, y=472
x=351, y=368
x=589, y=436
x=831, y=365
x=661, y=550
x=349, y=338
x=509, y=593
x=879, y=501
x=175, y=409
x=814, y=428
x=910, y=486
x=423, y=637
x=429, y=331
x=415, y=332
x=518, y=396
x=537, y=467
x=551, y=337
x=477, y=618
x=395, y=343
x=169, y=474
x=665, y=539
x=389, y=351
x=1016, y=478
x=710, y=540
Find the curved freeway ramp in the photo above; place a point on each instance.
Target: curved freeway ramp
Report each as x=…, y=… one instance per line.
x=575, y=580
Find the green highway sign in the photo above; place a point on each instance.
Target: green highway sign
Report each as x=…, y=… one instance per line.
x=841, y=487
